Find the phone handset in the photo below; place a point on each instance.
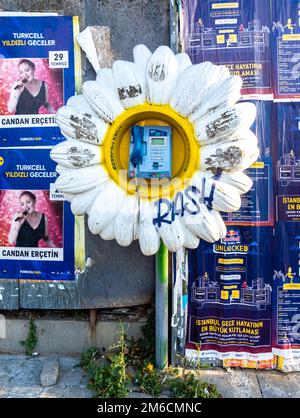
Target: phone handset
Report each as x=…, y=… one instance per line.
x=136, y=156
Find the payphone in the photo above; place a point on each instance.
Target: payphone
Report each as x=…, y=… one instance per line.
x=150, y=152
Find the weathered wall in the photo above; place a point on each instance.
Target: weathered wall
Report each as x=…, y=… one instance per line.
x=119, y=276
x=131, y=22
x=68, y=7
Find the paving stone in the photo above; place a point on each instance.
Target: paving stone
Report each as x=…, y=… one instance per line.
x=66, y=392
x=233, y=383
x=20, y=377
x=33, y=391
x=70, y=373
x=49, y=372
x=20, y=371
x=68, y=362
x=279, y=385
x=4, y=377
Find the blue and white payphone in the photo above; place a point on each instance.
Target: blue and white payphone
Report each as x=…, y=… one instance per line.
x=150, y=152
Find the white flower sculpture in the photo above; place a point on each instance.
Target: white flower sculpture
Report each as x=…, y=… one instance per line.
x=212, y=145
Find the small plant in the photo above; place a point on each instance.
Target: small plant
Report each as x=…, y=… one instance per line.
x=194, y=363
x=150, y=380
x=88, y=357
x=32, y=339
x=107, y=376
x=189, y=386
x=142, y=351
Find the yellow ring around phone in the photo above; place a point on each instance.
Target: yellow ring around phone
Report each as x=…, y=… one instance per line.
x=185, y=150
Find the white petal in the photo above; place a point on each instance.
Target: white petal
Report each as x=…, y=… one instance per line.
x=190, y=240
x=239, y=180
x=81, y=180
x=62, y=170
x=220, y=73
x=170, y=230
x=206, y=223
x=82, y=202
x=70, y=196
x=215, y=194
x=101, y=100
x=202, y=221
x=126, y=222
x=68, y=141
x=105, y=77
x=128, y=83
x=76, y=154
x=240, y=135
x=141, y=55
x=79, y=102
x=183, y=61
x=81, y=125
x=108, y=232
x=86, y=42
x=192, y=84
x=66, y=129
x=229, y=156
x=105, y=207
x=223, y=122
x=172, y=235
x=161, y=75
x=149, y=238
x=190, y=87
x=219, y=95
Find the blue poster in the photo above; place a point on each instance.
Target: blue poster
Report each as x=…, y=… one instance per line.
x=254, y=263
x=233, y=33
x=37, y=77
x=286, y=266
x=36, y=224
x=230, y=296
x=286, y=297
x=287, y=162
x=257, y=204
x=286, y=49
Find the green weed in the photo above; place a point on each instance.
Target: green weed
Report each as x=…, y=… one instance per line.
x=32, y=338
x=142, y=351
x=189, y=386
x=108, y=377
x=149, y=380
x=88, y=357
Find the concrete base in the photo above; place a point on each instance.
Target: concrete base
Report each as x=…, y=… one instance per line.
x=278, y=385
x=65, y=336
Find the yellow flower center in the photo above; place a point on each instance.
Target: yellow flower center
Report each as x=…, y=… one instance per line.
x=185, y=150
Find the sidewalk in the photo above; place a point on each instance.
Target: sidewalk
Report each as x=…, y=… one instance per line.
x=42, y=377
x=62, y=377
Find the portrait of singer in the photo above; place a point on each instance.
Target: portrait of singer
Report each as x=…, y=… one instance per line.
x=28, y=94
x=28, y=226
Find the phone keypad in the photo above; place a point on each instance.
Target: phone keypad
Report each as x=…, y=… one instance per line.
x=157, y=154
x=157, y=157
